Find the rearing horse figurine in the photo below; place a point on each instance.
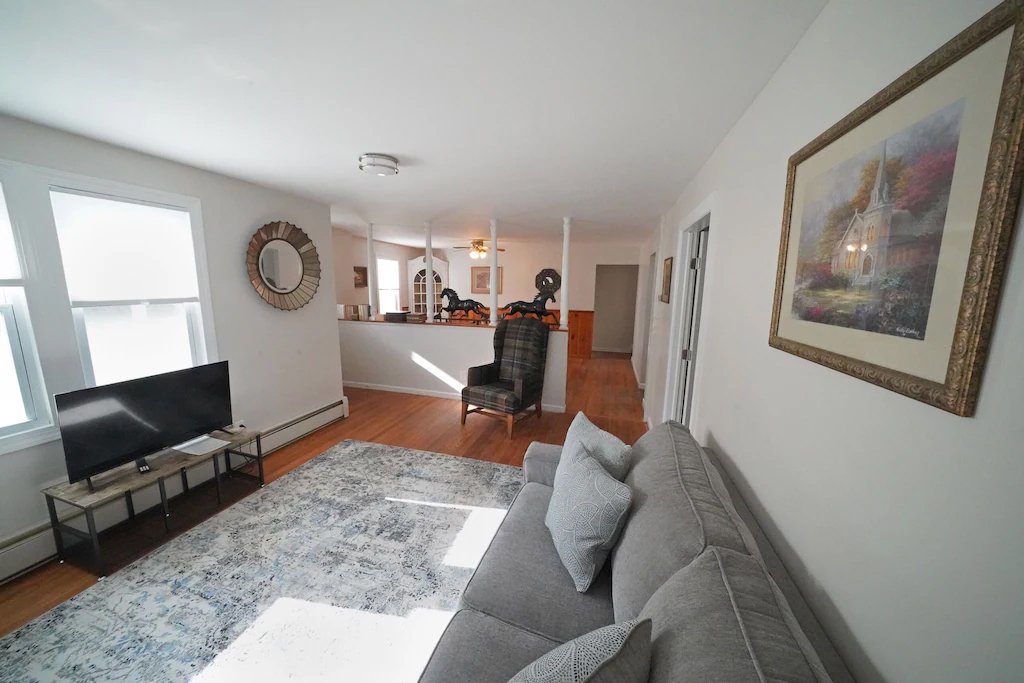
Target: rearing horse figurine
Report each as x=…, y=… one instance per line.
x=538, y=306
x=456, y=304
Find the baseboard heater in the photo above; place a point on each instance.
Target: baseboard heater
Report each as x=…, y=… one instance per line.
x=45, y=526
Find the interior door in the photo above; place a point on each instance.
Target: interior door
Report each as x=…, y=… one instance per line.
x=691, y=321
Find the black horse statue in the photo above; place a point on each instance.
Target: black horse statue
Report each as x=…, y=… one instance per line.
x=537, y=307
x=455, y=304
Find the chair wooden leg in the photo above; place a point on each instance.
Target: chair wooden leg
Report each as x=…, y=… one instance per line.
x=539, y=409
x=465, y=407
x=510, y=420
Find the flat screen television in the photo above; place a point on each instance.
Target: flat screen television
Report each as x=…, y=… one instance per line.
x=107, y=426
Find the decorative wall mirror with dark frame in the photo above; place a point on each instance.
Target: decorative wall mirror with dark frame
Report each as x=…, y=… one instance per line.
x=283, y=265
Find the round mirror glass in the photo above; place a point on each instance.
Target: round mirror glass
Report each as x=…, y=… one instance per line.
x=280, y=266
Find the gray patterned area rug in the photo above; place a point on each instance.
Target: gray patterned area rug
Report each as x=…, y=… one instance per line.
x=346, y=569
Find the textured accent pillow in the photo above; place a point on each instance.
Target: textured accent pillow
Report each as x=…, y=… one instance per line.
x=585, y=515
x=607, y=449
x=619, y=653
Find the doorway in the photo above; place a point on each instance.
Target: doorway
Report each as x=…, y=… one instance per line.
x=697, y=248
x=615, y=308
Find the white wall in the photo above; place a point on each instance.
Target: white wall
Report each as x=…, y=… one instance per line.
x=615, y=308
x=350, y=250
x=283, y=363
x=433, y=360
x=523, y=260
x=907, y=537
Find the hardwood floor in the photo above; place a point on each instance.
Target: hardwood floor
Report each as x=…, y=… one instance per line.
x=603, y=387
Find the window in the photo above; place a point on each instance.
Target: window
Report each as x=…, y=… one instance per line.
x=419, y=292
x=130, y=270
x=23, y=403
x=388, y=285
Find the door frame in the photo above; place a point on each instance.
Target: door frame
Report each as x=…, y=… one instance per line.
x=684, y=244
x=693, y=299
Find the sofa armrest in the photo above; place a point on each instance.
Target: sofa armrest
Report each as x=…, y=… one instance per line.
x=540, y=462
x=482, y=374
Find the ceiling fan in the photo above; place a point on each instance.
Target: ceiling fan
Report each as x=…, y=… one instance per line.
x=478, y=249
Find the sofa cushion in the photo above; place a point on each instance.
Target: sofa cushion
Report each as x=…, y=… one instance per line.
x=607, y=449
x=479, y=648
x=721, y=618
x=586, y=514
x=680, y=506
x=619, y=653
x=522, y=581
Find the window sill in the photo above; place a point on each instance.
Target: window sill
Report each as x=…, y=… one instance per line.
x=28, y=438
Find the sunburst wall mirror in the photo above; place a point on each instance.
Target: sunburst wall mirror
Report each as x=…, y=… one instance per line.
x=283, y=265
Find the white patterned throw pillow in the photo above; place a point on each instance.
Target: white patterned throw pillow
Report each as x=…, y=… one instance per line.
x=620, y=653
x=607, y=449
x=587, y=510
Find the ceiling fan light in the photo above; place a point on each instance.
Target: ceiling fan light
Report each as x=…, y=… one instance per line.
x=378, y=164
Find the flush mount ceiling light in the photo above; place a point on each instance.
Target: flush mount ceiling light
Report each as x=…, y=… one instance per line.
x=378, y=164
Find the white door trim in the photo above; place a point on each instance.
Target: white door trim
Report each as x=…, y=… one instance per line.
x=682, y=253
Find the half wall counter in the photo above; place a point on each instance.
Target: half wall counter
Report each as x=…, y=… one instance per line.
x=433, y=359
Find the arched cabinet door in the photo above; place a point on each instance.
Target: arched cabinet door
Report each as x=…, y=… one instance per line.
x=418, y=285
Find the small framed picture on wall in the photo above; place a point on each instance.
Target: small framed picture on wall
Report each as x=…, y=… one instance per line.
x=666, y=281
x=361, y=278
x=480, y=279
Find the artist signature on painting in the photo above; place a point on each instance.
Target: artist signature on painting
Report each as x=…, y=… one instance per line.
x=909, y=332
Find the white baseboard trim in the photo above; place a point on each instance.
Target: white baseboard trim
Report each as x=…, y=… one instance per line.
x=605, y=349
x=550, y=407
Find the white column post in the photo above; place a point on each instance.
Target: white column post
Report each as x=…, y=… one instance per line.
x=428, y=262
x=563, y=305
x=371, y=272
x=494, y=272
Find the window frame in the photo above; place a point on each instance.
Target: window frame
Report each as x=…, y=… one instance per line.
x=29, y=383
x=47, y=307
x=397, y=290
x=39, y=428
x=199, y=317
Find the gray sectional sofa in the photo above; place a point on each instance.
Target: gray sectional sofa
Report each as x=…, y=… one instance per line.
x=690, y=557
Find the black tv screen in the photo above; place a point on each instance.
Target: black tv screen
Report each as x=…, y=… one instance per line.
x=113, y=424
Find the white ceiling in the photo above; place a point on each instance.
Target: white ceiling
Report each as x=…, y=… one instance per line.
x=526, y=110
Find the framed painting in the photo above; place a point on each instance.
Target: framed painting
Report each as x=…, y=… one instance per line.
x=898, y=220
x=666, y=281
x=361, y=278
x=480, y=279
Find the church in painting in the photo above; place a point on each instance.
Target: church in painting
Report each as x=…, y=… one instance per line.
x=881, y=238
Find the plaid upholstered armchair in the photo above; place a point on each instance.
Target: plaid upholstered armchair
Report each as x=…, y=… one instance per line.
x=515, y=380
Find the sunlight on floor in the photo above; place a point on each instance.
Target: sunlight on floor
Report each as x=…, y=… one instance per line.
x=437, y=372
x=472, y=540
x=296, y=640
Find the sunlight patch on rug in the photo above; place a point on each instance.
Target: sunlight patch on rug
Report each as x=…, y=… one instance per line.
x=296, y=640
x=374, y=542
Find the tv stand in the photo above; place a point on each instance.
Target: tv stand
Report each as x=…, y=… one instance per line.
x=120, y=482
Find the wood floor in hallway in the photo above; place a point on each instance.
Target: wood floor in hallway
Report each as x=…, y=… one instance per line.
x=604, y=387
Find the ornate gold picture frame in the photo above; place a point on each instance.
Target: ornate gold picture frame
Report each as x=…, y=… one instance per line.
x=898, y=221
x=296, y=285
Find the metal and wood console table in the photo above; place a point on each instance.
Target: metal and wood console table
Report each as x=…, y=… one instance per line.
x=122, y=481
